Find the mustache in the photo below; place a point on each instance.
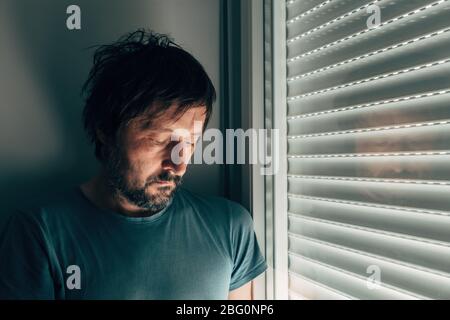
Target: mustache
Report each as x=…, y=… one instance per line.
x=165, y=176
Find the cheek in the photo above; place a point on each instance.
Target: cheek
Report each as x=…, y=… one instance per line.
x=144, y=159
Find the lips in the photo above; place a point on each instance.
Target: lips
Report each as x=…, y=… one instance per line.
x=163, y=182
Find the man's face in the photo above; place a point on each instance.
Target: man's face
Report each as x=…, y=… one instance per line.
x=140, y=167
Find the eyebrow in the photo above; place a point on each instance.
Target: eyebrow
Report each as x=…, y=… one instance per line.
x=160, y=129
x=192, y=136
x=148, y=127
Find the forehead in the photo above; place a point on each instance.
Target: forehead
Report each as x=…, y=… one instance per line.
x=170, y=120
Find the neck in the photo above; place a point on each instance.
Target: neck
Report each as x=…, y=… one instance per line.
x=98, y=191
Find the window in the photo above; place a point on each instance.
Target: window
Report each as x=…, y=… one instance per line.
x=360, y=91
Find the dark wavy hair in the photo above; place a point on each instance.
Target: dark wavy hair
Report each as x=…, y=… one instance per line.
x=140, y=70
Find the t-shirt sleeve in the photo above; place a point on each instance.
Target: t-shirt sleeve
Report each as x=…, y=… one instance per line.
x=24, y=264
x=248, y=261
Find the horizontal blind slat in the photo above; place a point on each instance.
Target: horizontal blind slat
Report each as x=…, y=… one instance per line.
x=415, y=83
x=410, y=250
x=296, y=70
x=415, y=73
x=409, y=109
x=426, y=224
x=392, y=64
x=402, y=167
x=343, y=281
x=304, y=287
x=423, y=196
x=325, y=16
x=424, y=138
x=374, y=104
x=299, y=8
x=392, y=272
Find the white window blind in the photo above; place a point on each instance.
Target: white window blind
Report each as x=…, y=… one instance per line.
x=368, y=149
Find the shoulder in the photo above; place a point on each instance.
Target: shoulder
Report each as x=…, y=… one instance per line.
x=55, y=208
x=216, y=207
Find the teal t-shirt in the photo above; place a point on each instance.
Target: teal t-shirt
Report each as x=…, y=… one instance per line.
x=196, y=248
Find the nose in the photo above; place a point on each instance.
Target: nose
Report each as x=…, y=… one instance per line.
x=176, y=169
x=177, y=165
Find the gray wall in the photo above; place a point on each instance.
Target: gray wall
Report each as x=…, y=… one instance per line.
x=42, y=67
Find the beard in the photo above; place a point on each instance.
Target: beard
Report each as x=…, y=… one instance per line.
x=116, y=172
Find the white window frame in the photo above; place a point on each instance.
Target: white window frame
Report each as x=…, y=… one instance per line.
x=280, y=246
x=270, y=223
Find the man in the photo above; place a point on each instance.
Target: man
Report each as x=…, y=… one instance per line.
x=131, y=232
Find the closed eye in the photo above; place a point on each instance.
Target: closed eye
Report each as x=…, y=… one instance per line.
x=156, y=142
